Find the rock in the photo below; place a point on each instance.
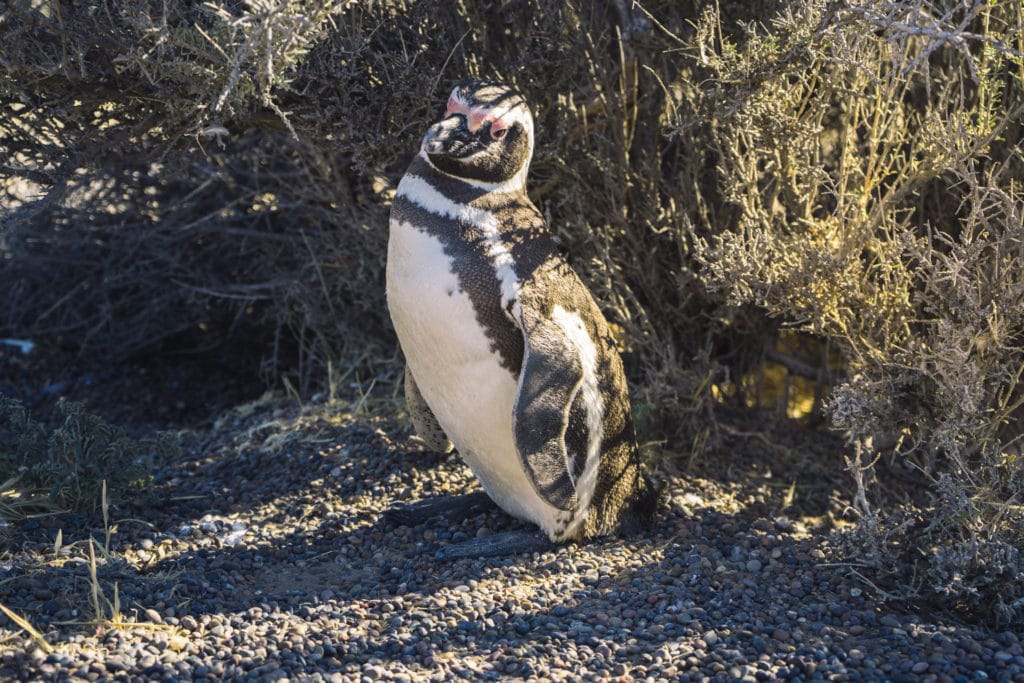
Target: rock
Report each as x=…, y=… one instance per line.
x=177, y=643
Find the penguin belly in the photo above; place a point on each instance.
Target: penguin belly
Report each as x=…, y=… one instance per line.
x=458, y=374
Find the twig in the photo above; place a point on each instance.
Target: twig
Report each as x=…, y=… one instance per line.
x=433, y=88
x=799, y=367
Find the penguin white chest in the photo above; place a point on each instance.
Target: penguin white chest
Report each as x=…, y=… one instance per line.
x=434, y=318
x=459, y=374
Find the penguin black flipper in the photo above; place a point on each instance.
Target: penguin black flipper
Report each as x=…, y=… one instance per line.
x=427, y=427
x=557, y=418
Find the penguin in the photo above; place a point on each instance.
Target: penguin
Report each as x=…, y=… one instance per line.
x=509, y=359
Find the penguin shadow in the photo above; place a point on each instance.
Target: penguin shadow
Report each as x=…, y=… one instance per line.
x=369, y=550
x=417, y=576
x=372, y=550
x=383, y=560
x=465, y=526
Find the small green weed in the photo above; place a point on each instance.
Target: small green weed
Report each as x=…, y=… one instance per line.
x=47, y=471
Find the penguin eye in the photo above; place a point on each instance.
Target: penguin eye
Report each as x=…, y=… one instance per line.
x=498, y=131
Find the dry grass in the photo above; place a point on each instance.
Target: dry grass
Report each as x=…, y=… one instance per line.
x=25, y=625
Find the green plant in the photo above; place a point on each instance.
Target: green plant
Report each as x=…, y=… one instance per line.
x=70, y=466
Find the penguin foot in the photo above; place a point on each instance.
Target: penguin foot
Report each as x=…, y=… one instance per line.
x=453, y=508
x=498, y=545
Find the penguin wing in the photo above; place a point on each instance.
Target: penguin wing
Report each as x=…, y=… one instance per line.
x=427, y=426
x=557, y=420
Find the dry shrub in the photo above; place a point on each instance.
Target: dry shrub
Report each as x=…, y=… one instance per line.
x=873, y=155
x=238, y=252
x=155, y=201
x=826, y=189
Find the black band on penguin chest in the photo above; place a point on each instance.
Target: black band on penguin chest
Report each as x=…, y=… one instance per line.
x=466, y=248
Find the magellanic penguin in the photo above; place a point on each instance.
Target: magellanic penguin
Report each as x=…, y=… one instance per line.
x=508, y=356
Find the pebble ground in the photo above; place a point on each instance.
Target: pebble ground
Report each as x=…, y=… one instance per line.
x=263, y=556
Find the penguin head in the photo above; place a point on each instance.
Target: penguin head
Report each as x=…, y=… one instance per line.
x=485, y=135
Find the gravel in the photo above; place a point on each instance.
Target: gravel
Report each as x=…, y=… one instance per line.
x=263, y=556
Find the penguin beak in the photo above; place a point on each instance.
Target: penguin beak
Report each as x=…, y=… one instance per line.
x=450, y=137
